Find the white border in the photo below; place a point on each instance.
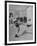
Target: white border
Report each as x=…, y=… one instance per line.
x=8, y=23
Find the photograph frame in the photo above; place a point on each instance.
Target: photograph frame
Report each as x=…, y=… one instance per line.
x=6, y=22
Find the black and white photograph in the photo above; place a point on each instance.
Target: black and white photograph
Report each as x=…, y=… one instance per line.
x=20, y=23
